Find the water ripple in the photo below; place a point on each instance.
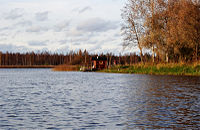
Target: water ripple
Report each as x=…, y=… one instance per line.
x=42, y=99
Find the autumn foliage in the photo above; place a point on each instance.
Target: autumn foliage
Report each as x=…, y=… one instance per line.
x=169, y=28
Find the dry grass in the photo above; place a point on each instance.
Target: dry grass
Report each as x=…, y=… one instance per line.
x=66, y=68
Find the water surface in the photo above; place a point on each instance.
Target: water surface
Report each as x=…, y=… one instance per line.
x=42, y=99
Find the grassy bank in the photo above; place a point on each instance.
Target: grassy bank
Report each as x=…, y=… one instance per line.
x=159, y=69
x=66, y=68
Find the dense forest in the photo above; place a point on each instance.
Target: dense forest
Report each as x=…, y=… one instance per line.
x=170, y=29
x=71, y=58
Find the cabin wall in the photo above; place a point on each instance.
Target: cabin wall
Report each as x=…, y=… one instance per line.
x=99, y=64
x=94, y=66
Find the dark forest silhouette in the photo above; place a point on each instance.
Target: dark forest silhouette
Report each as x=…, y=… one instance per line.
x=71, y=58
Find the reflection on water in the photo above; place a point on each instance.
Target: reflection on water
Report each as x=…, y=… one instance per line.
x=165, y=102
x=41, y=99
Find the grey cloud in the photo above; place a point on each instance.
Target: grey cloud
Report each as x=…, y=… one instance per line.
x=97, y=25
x=4, y=28
x=117, y=35
x=4, y=34
x=81, y=39
x=37, y=43
x=36, y=29
x=109, y=39
x=115, y=51
x=24, y=23
x=61, y=26
x=13, y=48
x=87, y=8
x=96, y=48
x=42, y=16
x=74, y=33
x=81, y=10
x=63, y=42
x=3, y=39
x=75, y=9
x=92, y=42
x=14, y=14
x=77, y=43
x=14, y=26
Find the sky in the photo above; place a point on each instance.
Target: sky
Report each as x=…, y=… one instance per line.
x=61, y=25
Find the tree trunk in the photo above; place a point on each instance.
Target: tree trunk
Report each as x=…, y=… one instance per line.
x=85, y=59
x=167, y=57
x=130, y=59
x=110, y=61
x=119, y=60
x=141, y=54
x=153, y=54
x=196, y=56
x=70, y=58
x=0, y=58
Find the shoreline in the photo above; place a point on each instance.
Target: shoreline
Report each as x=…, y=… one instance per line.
x=159, y=69
x=25, y=66
x=156, y=74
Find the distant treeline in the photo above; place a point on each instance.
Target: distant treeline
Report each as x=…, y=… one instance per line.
x=71, y=58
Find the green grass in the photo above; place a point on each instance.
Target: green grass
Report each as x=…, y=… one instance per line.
x=159, y=69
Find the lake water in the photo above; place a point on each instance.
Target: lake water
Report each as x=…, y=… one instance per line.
x=43, y=99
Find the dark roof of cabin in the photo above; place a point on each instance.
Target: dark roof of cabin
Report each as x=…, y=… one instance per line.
x=99, y=58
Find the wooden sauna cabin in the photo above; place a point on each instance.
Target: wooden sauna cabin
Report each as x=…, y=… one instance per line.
x=99, y=63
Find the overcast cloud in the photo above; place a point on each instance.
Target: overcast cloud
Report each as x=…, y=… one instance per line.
x=42, y=16
x=97, y=25
x=60, y=25
x=37, y=43
x=14, y=14
x=87, y=8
